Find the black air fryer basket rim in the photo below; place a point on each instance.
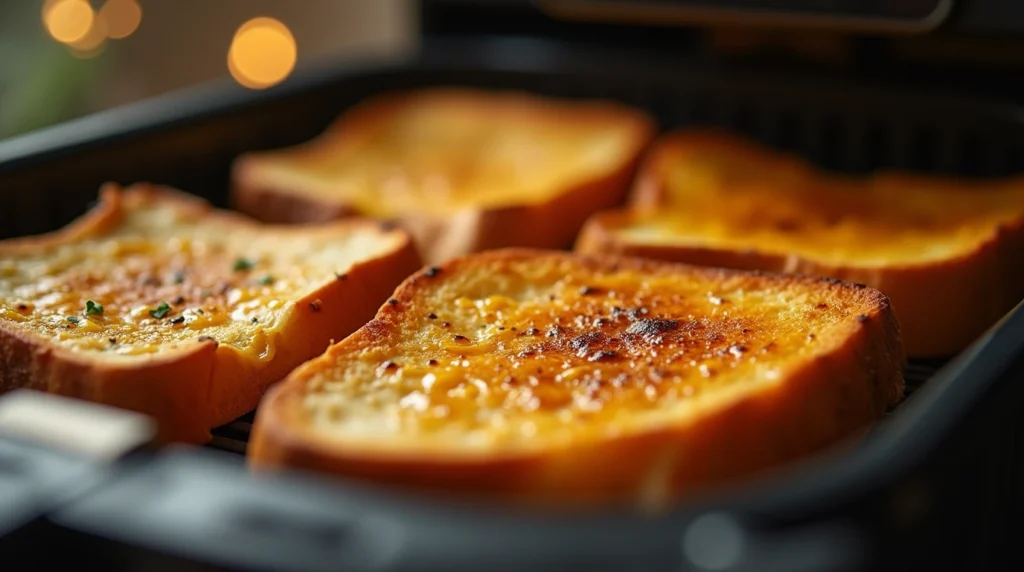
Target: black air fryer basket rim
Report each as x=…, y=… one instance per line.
x=899, y=444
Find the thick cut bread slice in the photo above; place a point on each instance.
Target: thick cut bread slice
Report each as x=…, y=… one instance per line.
x=555, y=378
x=156, y=302
x=946, y=252
x=463, y=170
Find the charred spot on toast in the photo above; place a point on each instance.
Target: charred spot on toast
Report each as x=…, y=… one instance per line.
x=582, y=342
x=652, y=327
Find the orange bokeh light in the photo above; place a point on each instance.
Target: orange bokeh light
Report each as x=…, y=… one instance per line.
x=122, y=17
x=262, y=53
x=68, y=21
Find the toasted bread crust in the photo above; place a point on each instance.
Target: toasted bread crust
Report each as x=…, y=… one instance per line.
x=852, y=378
x=552, y=223
x=202, y=384
x=942, y=305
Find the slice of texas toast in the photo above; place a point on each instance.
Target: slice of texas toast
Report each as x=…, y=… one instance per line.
x=462, y=169
x=548, y=377
x=945, y=251
x=156, y=302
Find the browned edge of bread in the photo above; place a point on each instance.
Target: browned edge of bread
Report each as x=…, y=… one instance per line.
x=824, y=401
x=201, y=385
x=550, y=224
x=942, y=306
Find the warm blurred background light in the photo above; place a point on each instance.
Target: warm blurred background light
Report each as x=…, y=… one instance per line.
x=69, y=58
x=262, y=53
x=85, y=31
x=122, y=17
x=68, y=21
x=92, y=43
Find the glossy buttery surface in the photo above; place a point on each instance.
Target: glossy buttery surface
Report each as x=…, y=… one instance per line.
x=440, y=151
x=492, y=359
x=231, y=285
x=733, y=198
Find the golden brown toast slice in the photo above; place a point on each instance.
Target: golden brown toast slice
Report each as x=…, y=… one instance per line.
x=155, y=301
x=462, y=169
x=945, y=251
x=550, y=377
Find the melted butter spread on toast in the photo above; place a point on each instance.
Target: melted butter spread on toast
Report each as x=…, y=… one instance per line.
x=439, y=153
x=732, y=197
x=162, y=276
x=496, y=358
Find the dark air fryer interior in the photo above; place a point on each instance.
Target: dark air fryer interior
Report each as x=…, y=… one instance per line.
x=839, y=122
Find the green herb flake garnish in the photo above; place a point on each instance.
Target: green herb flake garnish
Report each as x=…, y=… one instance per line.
x=92, y=308
x=160, y=311
x=73, y=319
x=255, y=321
x=266, y=280
x=243, y=264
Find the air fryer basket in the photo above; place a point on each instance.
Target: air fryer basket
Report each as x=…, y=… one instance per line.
x=938, y=483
